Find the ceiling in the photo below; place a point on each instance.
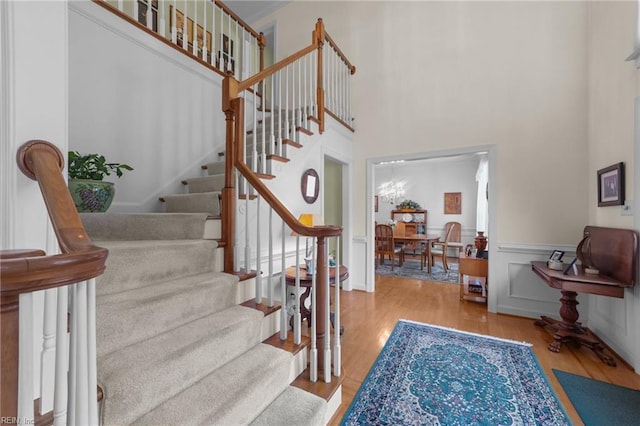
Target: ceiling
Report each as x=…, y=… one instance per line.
x=252, y=10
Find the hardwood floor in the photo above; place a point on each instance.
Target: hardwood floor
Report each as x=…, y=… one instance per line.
x=369, y=318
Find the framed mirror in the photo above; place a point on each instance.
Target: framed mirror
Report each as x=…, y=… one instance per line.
x=310, y=186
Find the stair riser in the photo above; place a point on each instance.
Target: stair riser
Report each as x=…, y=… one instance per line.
x=143, y=226
x=137, y=315
x=213, y=183
x=145, y=262
x=207, y=202
x=237, y=391
x=173, y=362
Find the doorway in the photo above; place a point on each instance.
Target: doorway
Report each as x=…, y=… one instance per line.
x=377, y=167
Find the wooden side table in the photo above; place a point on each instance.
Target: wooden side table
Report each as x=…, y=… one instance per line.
x=473, y=268
x=305, y=281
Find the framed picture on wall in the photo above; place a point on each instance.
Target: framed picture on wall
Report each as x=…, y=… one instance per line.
x=452, y=202
x=375, y=204
x=611, y=185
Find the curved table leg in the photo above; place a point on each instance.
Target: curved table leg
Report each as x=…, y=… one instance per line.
x=569, y=329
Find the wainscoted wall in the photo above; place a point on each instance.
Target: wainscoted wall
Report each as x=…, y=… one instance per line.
x=518, y=290
x=358, y=275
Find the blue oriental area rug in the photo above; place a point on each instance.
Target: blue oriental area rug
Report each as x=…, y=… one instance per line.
x=429, y=375
x=411, y=269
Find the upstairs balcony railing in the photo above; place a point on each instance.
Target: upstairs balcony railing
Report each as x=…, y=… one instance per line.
x=266, y=116
x=206, y=30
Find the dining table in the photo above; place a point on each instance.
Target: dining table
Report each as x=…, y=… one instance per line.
x=416, y=239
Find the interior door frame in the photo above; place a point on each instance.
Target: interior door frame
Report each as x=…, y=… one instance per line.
x=491, y=151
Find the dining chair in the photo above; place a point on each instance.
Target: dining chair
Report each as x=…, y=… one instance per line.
x=386, y=246
x=452, y=240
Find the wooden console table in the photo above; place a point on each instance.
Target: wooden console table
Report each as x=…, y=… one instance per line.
x=613, y=252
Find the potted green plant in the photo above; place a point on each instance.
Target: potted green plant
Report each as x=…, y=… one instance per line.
x=408, y=205
x=86, y=173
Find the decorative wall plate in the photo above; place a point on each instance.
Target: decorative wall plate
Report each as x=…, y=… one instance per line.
x=407, y=217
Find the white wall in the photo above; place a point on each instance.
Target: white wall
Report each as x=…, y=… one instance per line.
x=613, y=87
x=137, y=101
x=444, y=75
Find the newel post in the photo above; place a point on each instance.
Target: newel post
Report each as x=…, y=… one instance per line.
x=321, y=294
x=318, y=39
x=229, y=95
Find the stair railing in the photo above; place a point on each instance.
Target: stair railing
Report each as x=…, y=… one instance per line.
x=266, y=115
x=70, y=396
x=222, y=40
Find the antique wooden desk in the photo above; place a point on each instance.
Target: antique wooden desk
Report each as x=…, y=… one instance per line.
x=613, y=252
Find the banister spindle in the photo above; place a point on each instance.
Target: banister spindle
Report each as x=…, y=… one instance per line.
x=280, y=148
x=62, y=358
x=337, y=347
x=270, y=277
x=48, y=355
x=25, y=354
x=205, y=50
x=283, y=287
x=272, y=138
x=258, y=252
x=297, y=318
x=313, y=353
x=327, y=317
x=185, y=35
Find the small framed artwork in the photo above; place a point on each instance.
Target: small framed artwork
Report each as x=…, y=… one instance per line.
x=611, y=185
x=556, y=255
x=375, y=204
x=452, y=202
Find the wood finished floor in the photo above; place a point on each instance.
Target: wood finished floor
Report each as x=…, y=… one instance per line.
x=369, y=318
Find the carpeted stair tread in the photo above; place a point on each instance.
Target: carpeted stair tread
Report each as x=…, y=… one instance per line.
x=309, y=410
x=140, y=377
x=144, y=226
x=128, y=317
x=203, y=202
x=233, y=394
x=211, y=183
x=154, y=260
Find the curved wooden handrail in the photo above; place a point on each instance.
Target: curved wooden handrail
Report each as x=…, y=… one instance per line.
x=26, y=271
x=27, y=274
x=42, y=161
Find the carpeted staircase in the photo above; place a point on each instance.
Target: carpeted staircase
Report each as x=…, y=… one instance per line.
x=203, y=193
x=173, y=346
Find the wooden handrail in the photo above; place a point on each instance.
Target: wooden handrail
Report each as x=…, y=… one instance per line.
x=352, y=68
x=309, y=231
x=257, y=78
x=243, y=24
x=25, y=271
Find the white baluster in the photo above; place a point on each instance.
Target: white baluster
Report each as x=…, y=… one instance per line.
x=297, y=318
x=135, y=10
x=120, y=5
x=294, y=116
x=194, y=42
x=162, y=19
x=272, y=138
x=305, y=113
x=258, y=252
x=337, y=347
x=82, y=356
x=62, y=358
x=327, y=319
x=313, y=353
x=220, y=58
x=349, y=114
x=73, y=355
x=283, y=289
x=312, y=84
x=185, y=45
x=270, y=279
x=174, y=28
x=300, y=121
x=280, y=148
x=149, y=14
x=254, y=133
x=286, y=107
x=236, y=240
x=263, y=156
x=92, y=380
x=214, y=7
x=204, y=32
x=236, y=69
x=25, y=357
x=247, y=244
x=48, y=354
